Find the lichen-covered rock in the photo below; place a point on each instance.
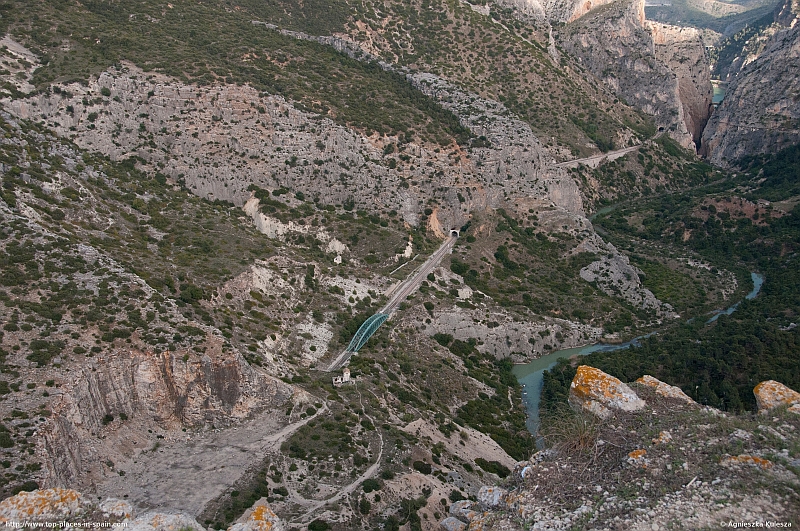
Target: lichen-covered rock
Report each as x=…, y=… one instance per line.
x=490, y=496
x=665, y=390
x=463, y=511
x=38, y=504
x=771, y=394
x=638, y=458
x=599, y=393
x=259, y=518
x=663, y=438
x=743, y=459
x=452, y=524
x=155, y=521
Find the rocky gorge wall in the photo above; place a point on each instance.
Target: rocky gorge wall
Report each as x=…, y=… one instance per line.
x=760, y=111
x=660, y=69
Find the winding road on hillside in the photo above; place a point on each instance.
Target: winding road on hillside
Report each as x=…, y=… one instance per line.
x=347, y=489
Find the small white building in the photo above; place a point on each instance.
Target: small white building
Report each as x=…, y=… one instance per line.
x=344, y=379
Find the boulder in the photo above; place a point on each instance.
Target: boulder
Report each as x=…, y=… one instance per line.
x=771, y=394
x=599, y=393
x=665, y=390
x=663, y=438
x=638, y=458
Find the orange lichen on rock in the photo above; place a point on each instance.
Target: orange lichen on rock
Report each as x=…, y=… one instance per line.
x=771, y=394
x=743, y=459
x=599, y=393
x=663, y=438
x=261, y=518
x=638, y=458
x=664, y=389
x=47, y=503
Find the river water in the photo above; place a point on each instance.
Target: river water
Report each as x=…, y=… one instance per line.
x=531, y=375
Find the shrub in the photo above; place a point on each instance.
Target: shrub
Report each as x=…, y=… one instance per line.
x=370, y=485
x=422, y=467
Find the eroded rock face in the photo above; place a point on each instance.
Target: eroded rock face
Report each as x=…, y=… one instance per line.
x=771, y=394
x=165, y=391
x=664, y=389
x=599, y=393
x=760, y=113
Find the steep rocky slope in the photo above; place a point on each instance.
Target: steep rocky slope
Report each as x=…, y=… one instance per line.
x=145, y=328
x=660, y=69
x=752, y=120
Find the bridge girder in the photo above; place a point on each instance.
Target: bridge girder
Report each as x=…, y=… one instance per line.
x=366, y=330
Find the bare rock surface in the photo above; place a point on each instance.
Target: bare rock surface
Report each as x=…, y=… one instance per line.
x=259, y=518
x=771, y=394
x=41, y=504
x=503, y=337
x=664, y=389
x=759, y=113
x=594, y=391
x=616, y=276
x=663, y=70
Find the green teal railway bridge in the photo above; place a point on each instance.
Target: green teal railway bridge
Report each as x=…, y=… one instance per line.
x=371, y=325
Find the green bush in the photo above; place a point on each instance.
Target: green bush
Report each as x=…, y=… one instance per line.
x=422, y=467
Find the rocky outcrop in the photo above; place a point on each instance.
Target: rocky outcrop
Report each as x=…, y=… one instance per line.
x=661, y=69
x=664, y=389
x=771, y=394
x=503, y=337
x=594, y=391
x=615, y=275
x=751, y=460
x=759, y=113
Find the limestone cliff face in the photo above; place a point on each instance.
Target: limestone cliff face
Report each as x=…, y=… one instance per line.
x=162, y=392
x=760, y=112
x=658, y=68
